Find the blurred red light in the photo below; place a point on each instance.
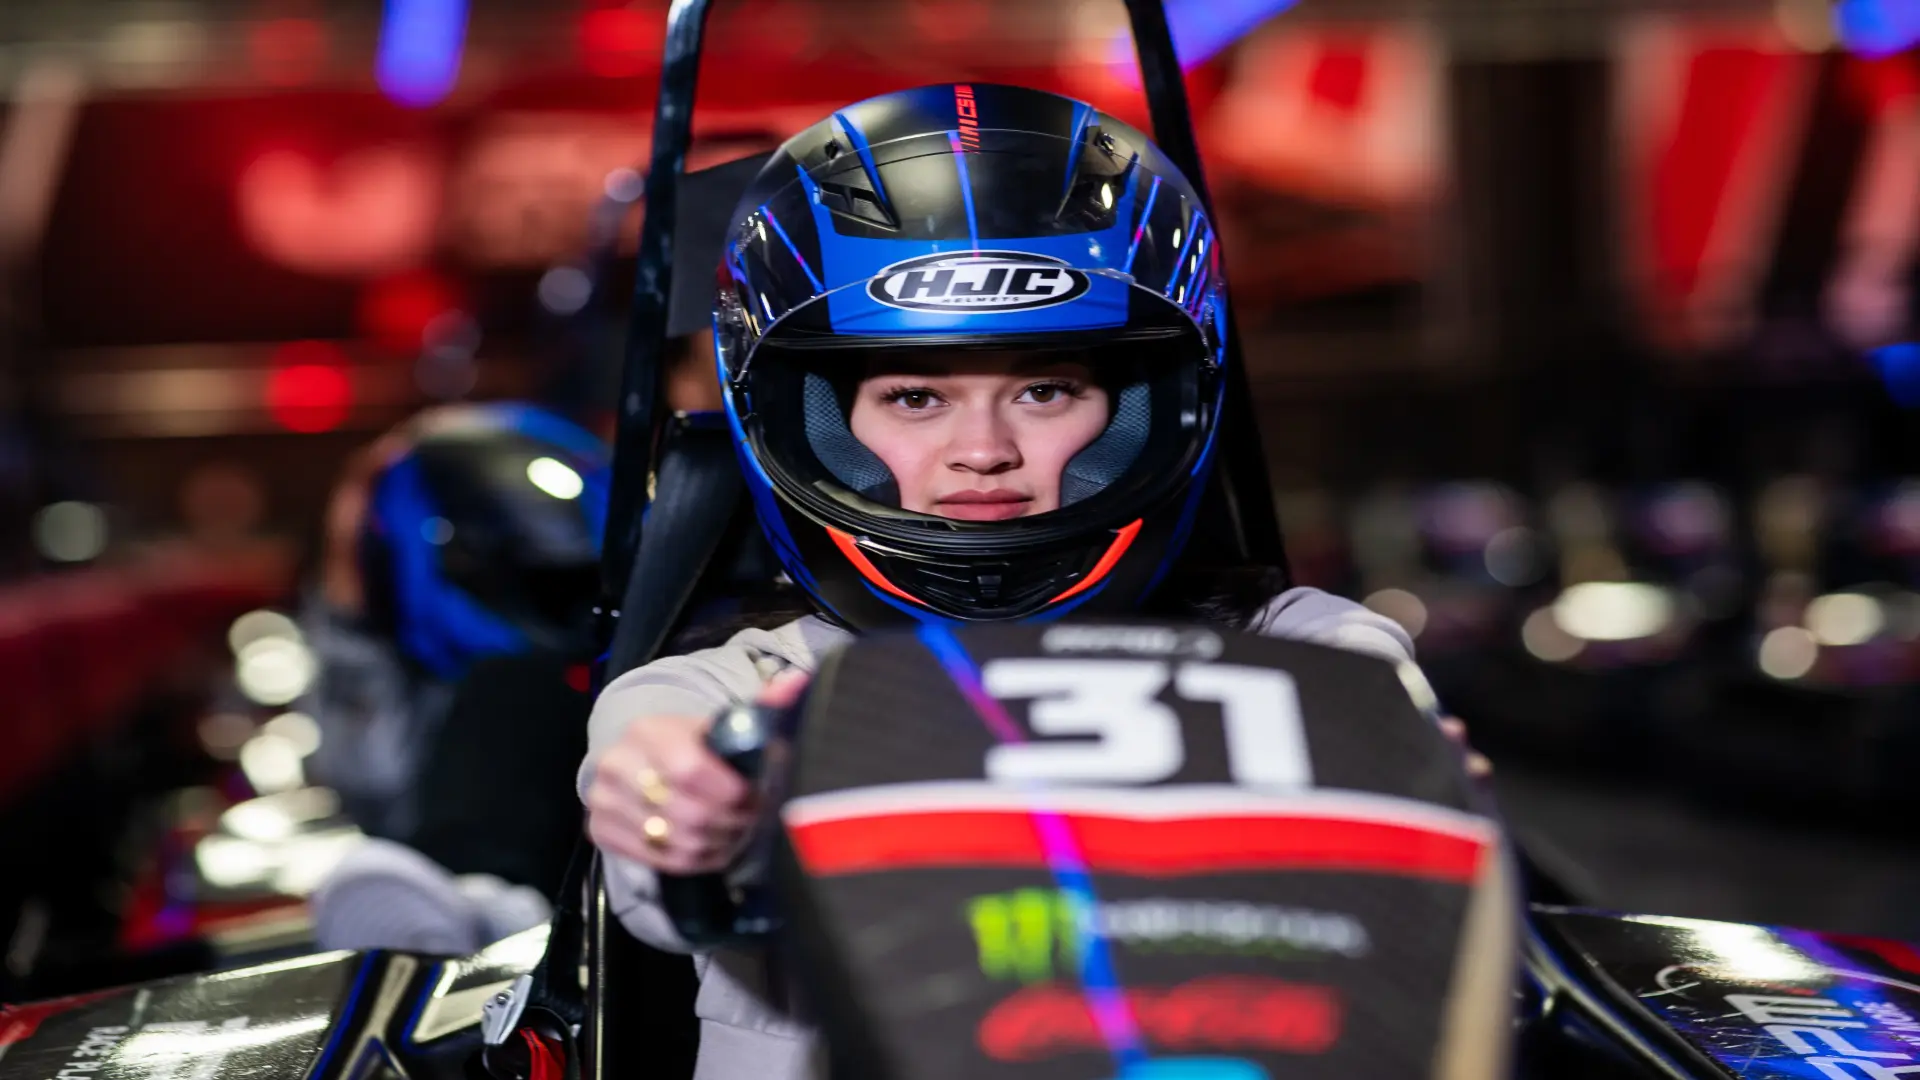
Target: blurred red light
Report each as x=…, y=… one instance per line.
x=618, y=42
x=287, y=51
x=1338, y=78
x=395, y=311
x=1883, y=83
x=308, y=389
x=949, y=21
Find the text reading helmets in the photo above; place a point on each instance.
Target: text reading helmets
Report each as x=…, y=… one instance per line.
x=484, y=536
x=965, y=297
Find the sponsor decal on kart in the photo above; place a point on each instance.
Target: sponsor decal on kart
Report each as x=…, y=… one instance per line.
x=272, y=1020
x=19, y=1022
x=181, y=1050
x=1762, y=1002
x=1032, y=935
x=1824, y=1033
x=1138, y=640
x=1216, y=1013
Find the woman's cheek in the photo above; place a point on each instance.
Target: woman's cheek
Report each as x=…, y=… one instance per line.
x=915, y=480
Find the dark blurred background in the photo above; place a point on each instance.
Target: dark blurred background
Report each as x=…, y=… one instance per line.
x=1582, y=331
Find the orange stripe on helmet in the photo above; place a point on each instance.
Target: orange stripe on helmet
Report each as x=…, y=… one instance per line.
x=1100, y=569
x=851, y=549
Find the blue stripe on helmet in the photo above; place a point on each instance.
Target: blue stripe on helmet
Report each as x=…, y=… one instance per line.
x=788, y=240
x=966, y=187
x=766, y=507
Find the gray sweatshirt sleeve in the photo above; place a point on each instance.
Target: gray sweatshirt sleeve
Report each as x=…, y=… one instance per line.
x=1326, y=619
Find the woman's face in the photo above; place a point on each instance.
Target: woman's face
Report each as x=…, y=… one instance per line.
x=979, y=437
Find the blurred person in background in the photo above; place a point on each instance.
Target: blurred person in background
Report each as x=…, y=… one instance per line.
x=455, y=741
x=467, y=533
x=452, y=622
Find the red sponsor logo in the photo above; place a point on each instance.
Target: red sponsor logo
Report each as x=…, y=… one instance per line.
x=19, y=1022
x=1225, y=1012
x=968, y=110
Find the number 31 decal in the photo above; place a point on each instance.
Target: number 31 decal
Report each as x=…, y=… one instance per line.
x=1135, y=738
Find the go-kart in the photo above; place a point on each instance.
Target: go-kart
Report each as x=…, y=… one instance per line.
x=1084, y=850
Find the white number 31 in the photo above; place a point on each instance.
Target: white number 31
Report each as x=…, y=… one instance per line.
x=1126, y=736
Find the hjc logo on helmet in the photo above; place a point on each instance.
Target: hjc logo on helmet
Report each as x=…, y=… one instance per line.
x=982, y=281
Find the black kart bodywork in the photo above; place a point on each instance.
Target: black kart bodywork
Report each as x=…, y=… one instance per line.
x=1610, y=996
x=328, y=1015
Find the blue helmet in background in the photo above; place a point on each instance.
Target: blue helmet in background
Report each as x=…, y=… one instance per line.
x=484, y=537
x=971, y=217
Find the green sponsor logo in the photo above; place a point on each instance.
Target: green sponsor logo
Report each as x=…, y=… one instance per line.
x=1029, y=935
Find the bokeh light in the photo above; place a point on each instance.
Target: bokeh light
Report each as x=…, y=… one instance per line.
x=298, y=729
x=1788, y=652
x=308, y=389
x=555, y=477
x=1613, y=610
x=70, y=532
x=564, y=290
x=1402, y=607
x=1542, y=637
x=261, y=625
x=1844, y=618
x=274, y=671
x=271, y=764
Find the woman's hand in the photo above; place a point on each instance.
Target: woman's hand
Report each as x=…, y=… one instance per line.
x=662, y=799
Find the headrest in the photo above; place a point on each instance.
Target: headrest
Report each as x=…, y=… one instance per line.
x=700, y=222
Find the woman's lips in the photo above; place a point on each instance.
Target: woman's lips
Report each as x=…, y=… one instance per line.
x=984, y=505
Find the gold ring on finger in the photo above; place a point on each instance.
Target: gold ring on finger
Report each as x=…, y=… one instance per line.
x=656, y=829
x=652, y=787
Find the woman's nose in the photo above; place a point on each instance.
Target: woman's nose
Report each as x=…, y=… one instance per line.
x=983, y=443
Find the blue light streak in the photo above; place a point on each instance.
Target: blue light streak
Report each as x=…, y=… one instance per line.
x=1877, y=28
x=1202, y=29
x=420, y=45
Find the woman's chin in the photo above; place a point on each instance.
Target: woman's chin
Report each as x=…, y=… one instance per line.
x=994, y=511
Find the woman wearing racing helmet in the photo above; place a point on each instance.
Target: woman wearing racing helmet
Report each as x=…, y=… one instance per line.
x=971, y=341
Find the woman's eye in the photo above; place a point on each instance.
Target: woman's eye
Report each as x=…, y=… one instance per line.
x=1046, y=393
x=914, y=399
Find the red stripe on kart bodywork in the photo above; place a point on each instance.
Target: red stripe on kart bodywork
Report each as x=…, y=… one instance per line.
x=1125, y=845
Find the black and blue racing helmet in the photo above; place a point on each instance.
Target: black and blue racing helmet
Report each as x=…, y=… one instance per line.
x=483, y=537
x=964, y=217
